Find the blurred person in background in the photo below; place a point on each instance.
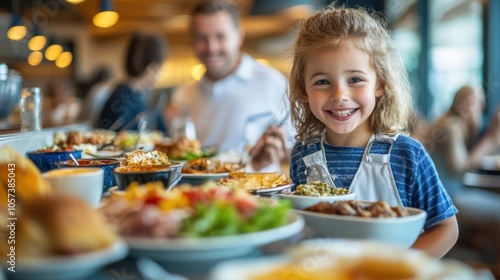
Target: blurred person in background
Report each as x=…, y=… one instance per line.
x=127, y=103
x=97, y=95
x=61, y=106
x=456, y=145
x=225, y=104
x=454, y=141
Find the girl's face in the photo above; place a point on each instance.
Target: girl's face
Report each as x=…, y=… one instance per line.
x=342, y=88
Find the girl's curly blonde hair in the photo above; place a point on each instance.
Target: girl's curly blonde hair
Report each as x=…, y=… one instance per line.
x=330, y=28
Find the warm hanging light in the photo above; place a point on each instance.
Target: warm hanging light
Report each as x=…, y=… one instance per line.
x=35, y=58
x=197, y=71
x=75, y=1
x=64, y=60
x=17, y=30
x=38, y=41
x=107, y=17
x=53, y=51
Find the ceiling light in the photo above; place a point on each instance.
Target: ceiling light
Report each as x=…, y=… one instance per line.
x=37, y=41
x=17, y=30
x=75, y=1
x=64, y=60
x=53, y=51
x=107, y=17
x=35, y=58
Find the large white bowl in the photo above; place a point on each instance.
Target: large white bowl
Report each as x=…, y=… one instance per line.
x=402, y=231
x=305, y=260
x=75, y=267
x=304, y=201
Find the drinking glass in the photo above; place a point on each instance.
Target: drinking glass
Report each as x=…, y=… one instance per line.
x=30, y=105
x=182, y=126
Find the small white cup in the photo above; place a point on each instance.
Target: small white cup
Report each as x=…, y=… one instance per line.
x=85, y=183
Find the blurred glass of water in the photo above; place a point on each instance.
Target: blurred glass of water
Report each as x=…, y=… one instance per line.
x=30, y=105
x=182, y=126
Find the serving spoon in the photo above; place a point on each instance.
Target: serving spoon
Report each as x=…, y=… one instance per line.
x=74, y=159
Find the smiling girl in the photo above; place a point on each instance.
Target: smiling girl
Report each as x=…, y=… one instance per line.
x=350, y=100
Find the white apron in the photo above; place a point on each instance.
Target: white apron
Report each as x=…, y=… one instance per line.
x=373, y=180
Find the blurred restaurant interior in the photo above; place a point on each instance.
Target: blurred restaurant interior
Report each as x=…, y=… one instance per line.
x=444, y=44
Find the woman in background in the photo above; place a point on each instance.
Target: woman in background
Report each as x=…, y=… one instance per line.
x=127, y=103
x=456, y=145
x=98, y=92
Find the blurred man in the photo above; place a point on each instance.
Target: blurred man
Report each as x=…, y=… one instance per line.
x=238, y=98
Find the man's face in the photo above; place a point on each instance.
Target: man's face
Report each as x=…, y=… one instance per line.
x=217, y=43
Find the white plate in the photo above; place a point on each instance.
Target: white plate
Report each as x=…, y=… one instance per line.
x=490, y=162
x=198, y=179
x=272, y=190
x=108, y=154
x=316, y=253
x=210, y=248
x=304, y=201
x=80, y=266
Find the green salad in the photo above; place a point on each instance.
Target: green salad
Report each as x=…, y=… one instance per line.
x=217, y=219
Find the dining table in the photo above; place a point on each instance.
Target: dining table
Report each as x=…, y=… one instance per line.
x=488, y=180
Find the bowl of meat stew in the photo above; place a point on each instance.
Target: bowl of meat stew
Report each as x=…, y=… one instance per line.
x=356, y=219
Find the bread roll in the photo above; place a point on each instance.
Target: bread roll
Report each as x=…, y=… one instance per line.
x=28, y=181
x=60, y=225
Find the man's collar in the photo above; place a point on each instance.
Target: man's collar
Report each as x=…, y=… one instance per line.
x=242, y=71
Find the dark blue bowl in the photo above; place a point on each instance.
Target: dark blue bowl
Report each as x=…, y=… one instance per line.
x=107, y=165
x=46, y=161
x=169, y=176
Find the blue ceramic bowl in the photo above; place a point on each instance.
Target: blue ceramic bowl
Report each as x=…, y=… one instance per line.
x=106, y=164
x=169, y=176
x=46, y=161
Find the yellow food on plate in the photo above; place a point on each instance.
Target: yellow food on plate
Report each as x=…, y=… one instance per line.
x=344, y=269
x=255, y=181
x=19, y=177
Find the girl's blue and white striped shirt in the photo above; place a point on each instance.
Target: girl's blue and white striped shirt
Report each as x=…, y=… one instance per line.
x=414, y=172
